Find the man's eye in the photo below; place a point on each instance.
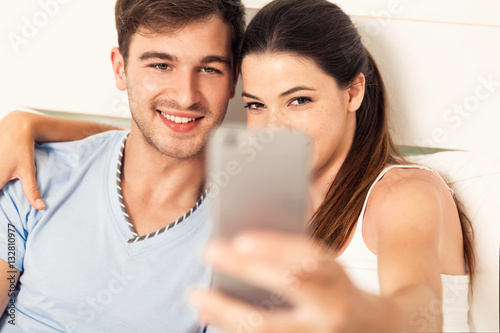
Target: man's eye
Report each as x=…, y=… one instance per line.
x=254, y=106
x=301, y=101
x=161, y=67
x=210, y=70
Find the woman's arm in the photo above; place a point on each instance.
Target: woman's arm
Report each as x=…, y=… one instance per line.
x=43, y=128
x=18, y=132
x=406, y=216
x=324, y=298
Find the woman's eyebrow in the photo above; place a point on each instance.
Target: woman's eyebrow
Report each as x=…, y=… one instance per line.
x=245, y=94
x=288, y=92
x=291, y=91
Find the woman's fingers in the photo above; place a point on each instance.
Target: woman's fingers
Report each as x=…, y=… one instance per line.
x=231, y=315
x=286, y=264
x=28, y=181
x=31, y=190
x=323, y=298
x=220, y=310
x=17, y=154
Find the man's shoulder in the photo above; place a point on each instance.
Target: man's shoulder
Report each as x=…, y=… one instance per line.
x=63, y=157
x=77, y=150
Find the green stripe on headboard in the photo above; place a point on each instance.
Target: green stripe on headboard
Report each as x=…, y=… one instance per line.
x=410, y=150
x=125, y=123
x=115, y=121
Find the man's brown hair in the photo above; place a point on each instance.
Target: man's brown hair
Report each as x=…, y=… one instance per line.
x=169, y=15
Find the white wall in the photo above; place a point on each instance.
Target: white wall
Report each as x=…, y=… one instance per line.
x=469, y=11
x=441, y=64
x=435, y=56
x=55, y=54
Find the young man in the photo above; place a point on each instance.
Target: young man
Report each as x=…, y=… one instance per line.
x=118, y=244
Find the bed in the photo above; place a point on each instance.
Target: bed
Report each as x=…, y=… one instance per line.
x=440, y=65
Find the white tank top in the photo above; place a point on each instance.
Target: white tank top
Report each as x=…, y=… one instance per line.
x=361, y=266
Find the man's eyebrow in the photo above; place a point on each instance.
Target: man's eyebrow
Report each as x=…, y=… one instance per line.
x=214, y=58
x=158, y=55
x=291, y=91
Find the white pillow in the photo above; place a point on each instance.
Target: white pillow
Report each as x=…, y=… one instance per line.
x=475, y=178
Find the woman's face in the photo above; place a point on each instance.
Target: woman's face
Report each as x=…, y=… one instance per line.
x=285, y=90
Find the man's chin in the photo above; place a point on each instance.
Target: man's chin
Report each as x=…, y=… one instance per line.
x=174, y=145
x=192, y=151
x=181, y=155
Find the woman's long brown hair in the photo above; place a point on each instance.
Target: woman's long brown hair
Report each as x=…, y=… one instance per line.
x=321, y=31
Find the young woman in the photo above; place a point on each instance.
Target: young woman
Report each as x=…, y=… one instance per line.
x=391, y=250
x=400, y=242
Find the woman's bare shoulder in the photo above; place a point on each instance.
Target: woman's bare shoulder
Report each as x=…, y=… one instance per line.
x=409, y=195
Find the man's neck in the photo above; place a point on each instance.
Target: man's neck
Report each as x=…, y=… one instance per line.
x=158, y=189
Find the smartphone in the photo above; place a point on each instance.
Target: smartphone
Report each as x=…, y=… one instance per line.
x=258, y=180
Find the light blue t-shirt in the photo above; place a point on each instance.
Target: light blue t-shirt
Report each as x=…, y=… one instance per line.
x=79, y=271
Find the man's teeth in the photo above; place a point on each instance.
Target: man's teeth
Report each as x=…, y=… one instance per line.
x=178, y=120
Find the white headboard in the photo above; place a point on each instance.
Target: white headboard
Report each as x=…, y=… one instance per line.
x=440, y=61
x=441, y=65
x=56, y=56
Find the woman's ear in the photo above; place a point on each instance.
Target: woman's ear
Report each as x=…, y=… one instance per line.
x=356, y=93
x=118, y=69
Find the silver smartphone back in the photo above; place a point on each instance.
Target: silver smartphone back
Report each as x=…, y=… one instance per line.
x=258, y=180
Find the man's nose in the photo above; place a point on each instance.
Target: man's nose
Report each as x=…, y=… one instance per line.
x=184, y=89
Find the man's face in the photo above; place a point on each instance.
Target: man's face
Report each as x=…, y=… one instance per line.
x=179, y=85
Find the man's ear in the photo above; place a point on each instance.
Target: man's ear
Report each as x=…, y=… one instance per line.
x=118, y=69
x=235, y=82
x=356, y=93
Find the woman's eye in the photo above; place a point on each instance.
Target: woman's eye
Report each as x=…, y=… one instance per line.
x=254, y=106
x=301, y=101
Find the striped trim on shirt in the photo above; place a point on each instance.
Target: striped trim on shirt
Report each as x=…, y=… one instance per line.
x=136, y=237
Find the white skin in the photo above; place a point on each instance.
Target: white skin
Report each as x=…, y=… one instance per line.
x=184, y=73
x=310, y=102
x=198, y=83
x=411, y=255
x=188, y=72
